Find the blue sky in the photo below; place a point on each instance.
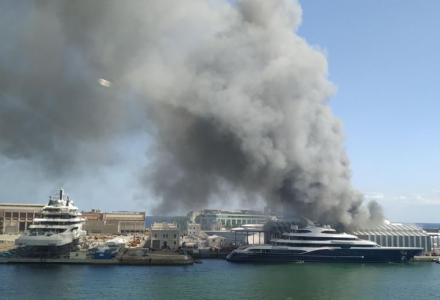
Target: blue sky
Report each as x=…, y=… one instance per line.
x=384, y=59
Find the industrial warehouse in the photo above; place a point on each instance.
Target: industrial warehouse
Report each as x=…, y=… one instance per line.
x=121, y=222
x=398, y=235
x=16, y=218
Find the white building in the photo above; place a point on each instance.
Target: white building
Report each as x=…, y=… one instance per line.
x=215, y=241
x=164, y=236
x=397, y=235
x=216, y=219
x=194, y=229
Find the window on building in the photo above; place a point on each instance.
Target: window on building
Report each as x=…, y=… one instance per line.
x=175, y=235
x=22, y=226
x=155, y=235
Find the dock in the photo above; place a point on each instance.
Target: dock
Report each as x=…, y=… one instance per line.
x=154, y=260
x=149, y=260
x=426, y=258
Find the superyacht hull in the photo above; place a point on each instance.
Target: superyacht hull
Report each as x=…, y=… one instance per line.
x=46, y=251
x=375, y=255
x=53, y=240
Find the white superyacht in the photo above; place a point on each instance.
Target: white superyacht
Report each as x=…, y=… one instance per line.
x=56, y=232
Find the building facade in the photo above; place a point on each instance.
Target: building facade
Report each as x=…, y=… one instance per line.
x=180, y=221
x=215, y=219
x=164, y=236
x=16, y=218
x=127, y=222
x=215, y=241
x=124, y=222
x=194, y=229
x=397, y=235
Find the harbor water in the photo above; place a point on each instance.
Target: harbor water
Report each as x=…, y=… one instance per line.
x=219, y=279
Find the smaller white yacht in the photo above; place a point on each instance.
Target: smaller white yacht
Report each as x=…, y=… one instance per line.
x=56, y=232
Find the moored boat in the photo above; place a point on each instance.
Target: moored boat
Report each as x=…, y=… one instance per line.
x=56, y=233
x=321, y=244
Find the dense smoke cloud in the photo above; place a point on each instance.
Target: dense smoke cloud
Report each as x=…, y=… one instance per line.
x=233, y=98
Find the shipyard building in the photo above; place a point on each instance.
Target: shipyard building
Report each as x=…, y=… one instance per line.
x=180, y=221
x=216, y=219
x=397, y=235
x=121, y=222
x=16, y=218
x=194, y=229
x=164, y=236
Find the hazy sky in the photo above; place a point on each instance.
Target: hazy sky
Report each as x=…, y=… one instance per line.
x=383, y=59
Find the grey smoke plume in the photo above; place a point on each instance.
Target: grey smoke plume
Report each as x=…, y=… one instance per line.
x=234, y=99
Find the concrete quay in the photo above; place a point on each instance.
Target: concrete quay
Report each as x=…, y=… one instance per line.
x=150, y=260
x=426, y=258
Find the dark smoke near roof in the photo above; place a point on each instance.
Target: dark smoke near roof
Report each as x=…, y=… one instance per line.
x=234, y=99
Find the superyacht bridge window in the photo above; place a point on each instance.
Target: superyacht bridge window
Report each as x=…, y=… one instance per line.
x=319, y=238
x=315, y=245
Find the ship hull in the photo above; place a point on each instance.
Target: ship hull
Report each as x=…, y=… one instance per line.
x=375, y=255
x=54, y=240
x=46, y=251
